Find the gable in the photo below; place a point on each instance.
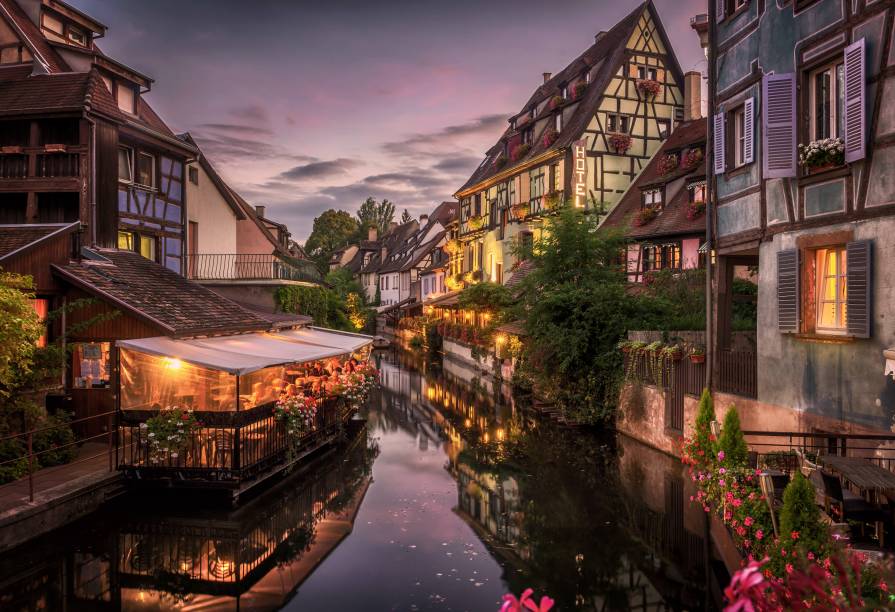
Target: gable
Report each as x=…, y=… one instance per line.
x=12, y=49
x=646, y=36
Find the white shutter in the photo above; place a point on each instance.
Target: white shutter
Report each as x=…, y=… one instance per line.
x=719, y=144
x=855, y=87
x=749, y=131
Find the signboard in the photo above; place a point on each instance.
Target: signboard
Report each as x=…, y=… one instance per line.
x=579, y=173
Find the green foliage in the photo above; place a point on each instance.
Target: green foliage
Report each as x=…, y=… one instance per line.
x=332, y=230
x=375, y=214
x=732, y=442
x=405, y=217
x=800, y=521
x=417, y=342
x=703, y=428
x=340, y=306
x=745, y=304
x=20, y=329
x=485, y=296
x=299, y=299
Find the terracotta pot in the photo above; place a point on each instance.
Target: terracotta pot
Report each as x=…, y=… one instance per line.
x=819, y=169
x=697, y=358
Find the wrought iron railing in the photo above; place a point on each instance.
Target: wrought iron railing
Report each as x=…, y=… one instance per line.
x=738, y=373
x=779, y=448
x=249, y=266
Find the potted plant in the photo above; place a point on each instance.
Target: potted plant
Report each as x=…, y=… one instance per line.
x=692, y=157
x=697, y=354
x=549, y=137
x=695, y=210
x=557, y=101
x=668, y=163
x=673, y=353
x=475, y=223
x=169, y=433
x=645, y=215
x=648, y=88
x=820, y=155
x=520, y=151
x=578, y=89
x=619, y=143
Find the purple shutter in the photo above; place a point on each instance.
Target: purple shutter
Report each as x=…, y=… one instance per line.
x=749, y=131
x=720, y=5
x=859, y=257
x=855, y=86
x=788, y=291
x=779, y=125
x=719, y=145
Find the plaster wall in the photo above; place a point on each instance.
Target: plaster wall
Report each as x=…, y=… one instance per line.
x=217, y=223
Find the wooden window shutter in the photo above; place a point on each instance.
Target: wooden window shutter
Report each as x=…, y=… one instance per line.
x=855, y=115
x=749, y=130
x=859, y=257
x=779, y=125
x=719, y=145
x=720, y=13
x=788, y=305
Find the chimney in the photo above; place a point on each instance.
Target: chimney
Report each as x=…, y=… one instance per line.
x=692, y=96
x=259, y=210
x=423, y=219
x=372, y=234
x=547, y=76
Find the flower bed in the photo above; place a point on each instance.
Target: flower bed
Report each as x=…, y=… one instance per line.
x=619, y=143
x=169, y=433
x=520, y=151
x=648, y=88
x=645, y=215
x=824, y=153
x=668, y=163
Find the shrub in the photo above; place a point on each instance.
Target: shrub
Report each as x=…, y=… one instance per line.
x=703, y=428
x=732, y=442
x=801, y=516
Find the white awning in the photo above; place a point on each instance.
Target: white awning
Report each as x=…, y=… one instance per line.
x=246, y=353
x=346, y=341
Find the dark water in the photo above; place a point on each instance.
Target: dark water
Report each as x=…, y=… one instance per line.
x=454, y=494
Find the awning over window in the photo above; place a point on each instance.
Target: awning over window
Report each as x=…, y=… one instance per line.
x=246, y=353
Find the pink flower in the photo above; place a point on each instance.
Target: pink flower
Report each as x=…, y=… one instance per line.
x=721, y=456
x=748, y=521
x=811, y=556
x=525, y=603
x=794, y=535
x=742, y=585
x=759, y=534
x=789, y=568
x=722, y=471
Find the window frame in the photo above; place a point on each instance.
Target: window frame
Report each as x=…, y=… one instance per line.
x=557, y=121
x=839, y=301
x=617, y=119
x=836, y=98
x=667, y=123
x=130, y=164
x=739, y=136
x=660, y=202
x=154, y=174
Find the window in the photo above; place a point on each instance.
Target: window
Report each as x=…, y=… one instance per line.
x=827, y=87
x=652, y=198
x=126, y=241
x=664, y=128
x=513, y=124
x=77, y=36
x=42, y=309
x=661, y=257
x=618, y=123
x=739, y=136
x=647, y=73
x=527, y=136
x=125, y=164
x=502, y=195
x=146, y=169
x=557, y=122
x=127, y=98
x=564, y=92
x=830, y=272
x=194, y=175
x=91, y=365
x=147, y=246
x=696, y=192
x=536, y=187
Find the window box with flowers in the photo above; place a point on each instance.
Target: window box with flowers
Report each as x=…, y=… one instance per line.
x=668, y=163
x=557, y=101
x=648, y=88
x=11, y=150
x=552, y=200
x=475, y=223
x=692, y=158
x=168, y=433
x=500, y=161
x=452, y=247
x=620, y=143
x=578, y=89
x=520, y=151
x=645, y=215
x=695, y=210
x=549, y=137
x=521, y=210
x=820, y=155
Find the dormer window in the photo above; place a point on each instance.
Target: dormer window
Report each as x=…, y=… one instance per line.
x=527, y=136
x=557, y=122
x=77, y=36
x=126, y=96
x=513, y=124
x=564, y=92
x=58, y=30
x=652, y=198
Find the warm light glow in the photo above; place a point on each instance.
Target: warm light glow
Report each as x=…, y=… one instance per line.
x=467, y=423
x=501, y=434
x=486, y=437
x=486, y=316
x=430, y=393
x=500, y=339
x=172, y=363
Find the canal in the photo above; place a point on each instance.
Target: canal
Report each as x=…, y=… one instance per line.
x=452, y=493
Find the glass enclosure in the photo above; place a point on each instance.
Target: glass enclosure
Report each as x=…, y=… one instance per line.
x=149, y=382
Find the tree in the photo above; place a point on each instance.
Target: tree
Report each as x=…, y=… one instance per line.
x=333, y=229
x=375, y=214
x=405, y=217
x=20, y=329
x=485, y=296
x=705, y=415
x=732, y=442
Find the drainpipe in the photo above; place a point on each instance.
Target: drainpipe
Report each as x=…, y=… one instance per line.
x=711, y=184
x=92, y=175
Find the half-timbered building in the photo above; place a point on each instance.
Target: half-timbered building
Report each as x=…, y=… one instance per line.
x=582, y=137
x=802, y=173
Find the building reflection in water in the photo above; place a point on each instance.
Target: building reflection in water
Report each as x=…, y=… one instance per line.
x=252, y=557
x=596, y=522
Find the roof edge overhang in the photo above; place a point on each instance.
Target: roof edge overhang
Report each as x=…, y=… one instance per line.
x=505, y=174
x=63, y=229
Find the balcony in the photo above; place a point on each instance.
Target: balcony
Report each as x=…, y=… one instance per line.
x=50, y=167
x=249, y=267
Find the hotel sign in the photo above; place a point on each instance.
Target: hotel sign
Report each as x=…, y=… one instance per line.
x=579, y=173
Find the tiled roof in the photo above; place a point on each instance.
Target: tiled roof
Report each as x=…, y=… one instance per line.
x=21, y=93
x=14, y=239
x=605, y=55
x=673, y=217
x=522, y=270
x=392, y=241
x=155, y=294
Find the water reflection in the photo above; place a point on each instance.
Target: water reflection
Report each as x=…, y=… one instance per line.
x=456, y=494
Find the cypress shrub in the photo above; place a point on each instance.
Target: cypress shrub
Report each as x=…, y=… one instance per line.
x=732, y=442
x=704, y=418
x=800, y=517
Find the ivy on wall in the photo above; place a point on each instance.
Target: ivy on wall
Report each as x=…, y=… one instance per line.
x=309, y=301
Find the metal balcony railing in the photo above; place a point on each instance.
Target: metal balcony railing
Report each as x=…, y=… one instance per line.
x=249, y=266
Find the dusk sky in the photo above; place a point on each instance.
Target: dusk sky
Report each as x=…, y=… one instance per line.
x=304, y=106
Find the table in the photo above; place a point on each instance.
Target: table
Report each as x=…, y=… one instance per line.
x=861, y=472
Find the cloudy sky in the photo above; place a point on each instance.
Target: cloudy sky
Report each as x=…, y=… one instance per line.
x=308, y=105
